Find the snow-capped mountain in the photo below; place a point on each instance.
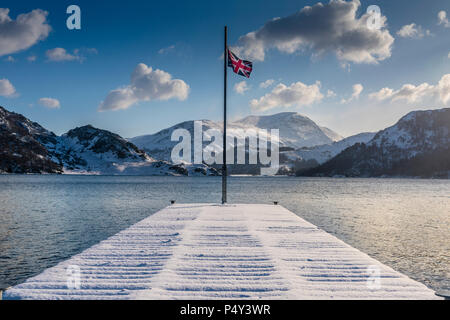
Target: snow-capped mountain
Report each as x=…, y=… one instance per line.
x=417, y=145
x=296, y=131
x=88, y=149
x=95, y=150
x=331, y=134
x=417, y=132
x=26, y=147
x=21, y=150
x=159, y=145
x=325, y=152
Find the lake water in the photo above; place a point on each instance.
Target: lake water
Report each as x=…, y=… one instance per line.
x=404, y=223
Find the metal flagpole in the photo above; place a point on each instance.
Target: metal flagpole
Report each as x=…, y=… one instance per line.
x=224, y=166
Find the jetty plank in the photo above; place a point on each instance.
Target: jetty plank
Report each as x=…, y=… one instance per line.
x=208, y=251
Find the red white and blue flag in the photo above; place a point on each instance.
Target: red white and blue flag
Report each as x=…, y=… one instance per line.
x=239, y=66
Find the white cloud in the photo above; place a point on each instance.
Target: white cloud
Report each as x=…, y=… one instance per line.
x=413, y=94
x=241, y=87
x=442, y=19
x=383, y=94
x=50, y=103
x=357, y=89
x=443, y=88
x=22, y=33
x=412, y=31
x=408, y=92
x=6, y=88
x=146, y=85
x=167, y=49
x=448, y=55
x=332, y=27
x=10, y=59
x=266, y=83
x=296, y=95
x=61, y=54
x=31, y=58
x=331, y=94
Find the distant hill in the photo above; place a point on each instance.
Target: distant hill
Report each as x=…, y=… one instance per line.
x=21, y=150
x=296, y=131
x=325, y=152
x=27, y=147
x=417, y=145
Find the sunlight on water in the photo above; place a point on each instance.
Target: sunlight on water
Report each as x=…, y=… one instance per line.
x=403, y=223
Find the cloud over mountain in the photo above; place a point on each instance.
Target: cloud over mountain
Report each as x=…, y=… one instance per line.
x=297, y=94
x=412, y=93
x=6, y=88
x=146, y=85
x=50, y=103
x=357, y=89
x=324, y=28
x=22, y=33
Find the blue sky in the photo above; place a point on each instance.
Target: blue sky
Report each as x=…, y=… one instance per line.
x=185, y=40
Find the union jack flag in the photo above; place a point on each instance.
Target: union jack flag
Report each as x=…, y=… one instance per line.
x=239, y=66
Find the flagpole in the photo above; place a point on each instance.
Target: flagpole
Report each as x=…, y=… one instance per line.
x=224, y=166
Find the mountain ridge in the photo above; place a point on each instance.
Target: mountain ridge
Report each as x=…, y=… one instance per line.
x=27, y=147
x=417, y=145
x=21, y=150
x=296, y=131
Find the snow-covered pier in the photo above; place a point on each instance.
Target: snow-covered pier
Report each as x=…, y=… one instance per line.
x=206, y=251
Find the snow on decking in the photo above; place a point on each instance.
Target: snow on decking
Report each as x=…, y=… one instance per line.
x=205, y=251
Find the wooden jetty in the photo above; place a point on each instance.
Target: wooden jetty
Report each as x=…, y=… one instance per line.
x=208, y=251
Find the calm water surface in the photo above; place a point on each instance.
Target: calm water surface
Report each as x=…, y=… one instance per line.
x=404, y=223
